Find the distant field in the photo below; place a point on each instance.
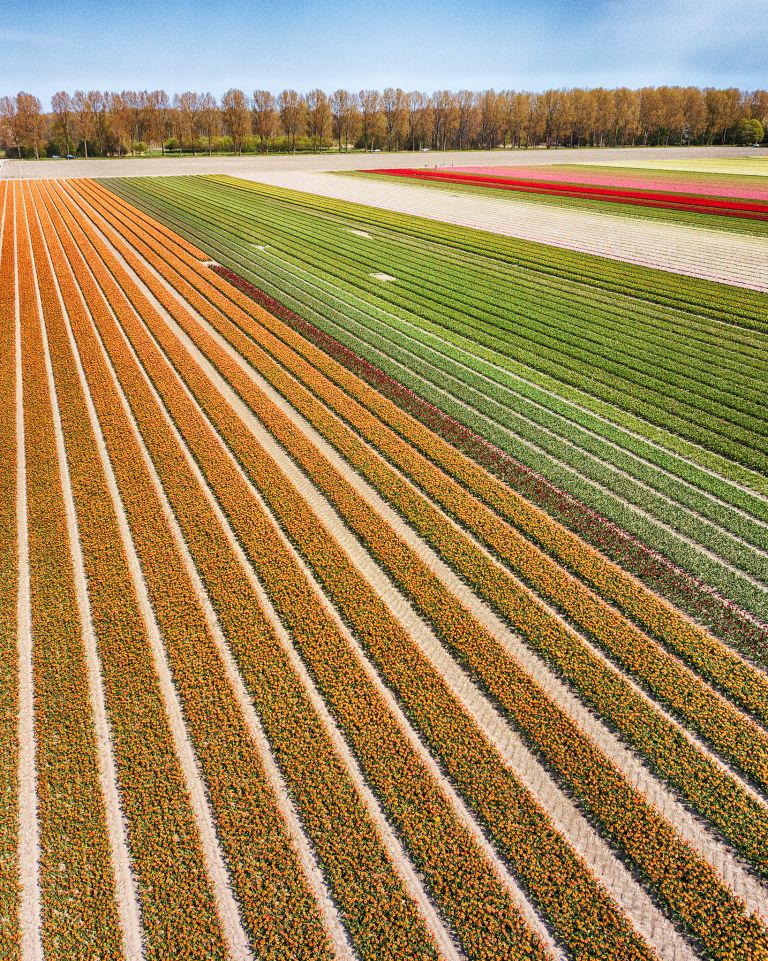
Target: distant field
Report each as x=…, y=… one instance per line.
x=735, y=225
x=372, y=588
x=736, y=184
x=738, y=166
x=684, y=199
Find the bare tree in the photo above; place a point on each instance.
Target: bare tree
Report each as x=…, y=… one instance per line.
x=32, y=121
x=61, y=105
x=292, y=115
x=10, y=125
x=466, y=115
x=187, y=106
x=345, y=116
x=394, y=104
x=265, y=117
x=491, y=121
x=209, y=118
x=82, y=107
x=133, y=104
x=420, y=119
x=552, y=104
x=120, y=119
x=157, y=107
x=626, y=115
x=236, y=112
x=446, y=118
x=101, y=127
x=319, y=117
x=723, y=108
x=370, y=115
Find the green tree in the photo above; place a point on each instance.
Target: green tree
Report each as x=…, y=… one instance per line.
x=750, y=130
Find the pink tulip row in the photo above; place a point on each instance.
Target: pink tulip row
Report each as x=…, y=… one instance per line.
x=665, y=200
x=632, y=181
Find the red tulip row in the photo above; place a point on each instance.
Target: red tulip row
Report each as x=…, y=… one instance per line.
x=641, y=198
x=178, y=909
x=463, y=882
x=76, y=875
x=712, y=185
x=669, y=864
x=458, y=451
x=9, y=662
x=716, y=795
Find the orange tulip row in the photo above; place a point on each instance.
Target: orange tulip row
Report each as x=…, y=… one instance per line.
x=662, y=673
x=341, y=830
x=745, y=684
x=734, y=735
x=716, y=794
x=277, y=904
x=76, y=876
x=688, y=885
x=656, y=573
x=9, y=666
x=178, y=909
x=462, y=880
x=742, y=741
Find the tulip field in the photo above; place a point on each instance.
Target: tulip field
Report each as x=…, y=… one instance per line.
x=723, y=202
x=670, y=200
x=372, y=588
x=747, y=187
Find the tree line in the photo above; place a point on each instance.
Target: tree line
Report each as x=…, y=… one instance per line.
x=106, y=123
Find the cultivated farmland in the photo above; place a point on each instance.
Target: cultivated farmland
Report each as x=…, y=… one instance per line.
x=721, y=249
x=689, y=198
x=372, y=587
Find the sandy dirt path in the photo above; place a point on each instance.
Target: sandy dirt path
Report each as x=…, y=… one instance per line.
x=30, y=912
x=332, y=160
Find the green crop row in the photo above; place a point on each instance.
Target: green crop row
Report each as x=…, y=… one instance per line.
x=441, y=338
x=438, y=293
x=242, y=235
x=743, y=307
x=596, y=314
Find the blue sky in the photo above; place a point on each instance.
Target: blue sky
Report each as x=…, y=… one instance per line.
x=528, y=44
